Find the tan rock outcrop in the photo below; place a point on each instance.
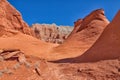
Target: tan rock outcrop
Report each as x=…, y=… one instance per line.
x=9, y=54
x=51, y=32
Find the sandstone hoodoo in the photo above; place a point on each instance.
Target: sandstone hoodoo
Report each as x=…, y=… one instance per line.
x=51, y=32
x=86, y=32
x=105, y=48
x=10, y=19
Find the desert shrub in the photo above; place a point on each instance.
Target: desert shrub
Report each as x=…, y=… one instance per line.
x=27, y=64
x=9, y=71
x=16, y=66
x=37, y=64
x=1, y=59
x=5, y=70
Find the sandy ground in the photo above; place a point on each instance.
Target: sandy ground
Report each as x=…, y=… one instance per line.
x=102, y=70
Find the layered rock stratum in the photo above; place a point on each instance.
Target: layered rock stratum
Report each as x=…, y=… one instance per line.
x=51, y=32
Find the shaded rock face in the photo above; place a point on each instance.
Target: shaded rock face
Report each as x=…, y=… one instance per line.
x=86, y=31
x=51, y=32
x=10, y=19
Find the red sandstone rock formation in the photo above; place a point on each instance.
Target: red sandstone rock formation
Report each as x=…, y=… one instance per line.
x=51, y=32
x=10, y=19
x=12, y=25
x=36, y=69
x=85, y=33
x=107, y=47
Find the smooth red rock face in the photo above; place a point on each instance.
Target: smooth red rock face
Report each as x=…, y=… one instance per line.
x=51, y=32
x=86, y=32
x=107, y=47
x=10, y=19
x=90, y=27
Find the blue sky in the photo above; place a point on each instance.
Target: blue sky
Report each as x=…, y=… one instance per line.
x=62, y=12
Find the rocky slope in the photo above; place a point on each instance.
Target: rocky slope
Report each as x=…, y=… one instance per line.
x=10, y=19
x=33, y=68
x=15, y=33
x=51, y=32
x=106, y=47
x=86, y=32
